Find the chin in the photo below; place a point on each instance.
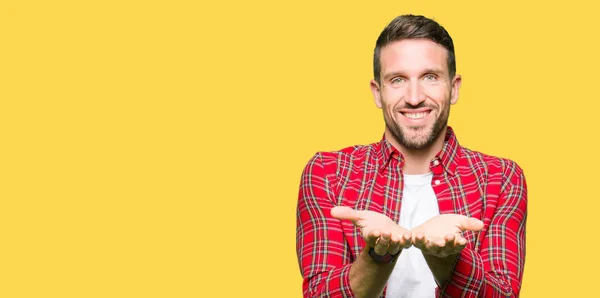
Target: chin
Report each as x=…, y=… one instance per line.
x=415, y=143
x=413, y=137
x=416, y=138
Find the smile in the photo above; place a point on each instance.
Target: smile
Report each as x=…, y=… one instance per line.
x=417, y=115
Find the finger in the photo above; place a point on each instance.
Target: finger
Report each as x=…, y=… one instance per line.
x=372, y=237
x=451, y=247
x=450, y=239
x=406, y=240
x=419, y=241
x=381, y=245
x=460, y=243
x=434, y=247
x=456, y=250
x=344, y=213
x=395, y=245
x=455, y=240
x=441, y=243
x=470, y=224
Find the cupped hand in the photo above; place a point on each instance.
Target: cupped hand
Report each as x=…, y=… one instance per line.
x=378, y=230
x=441, y=236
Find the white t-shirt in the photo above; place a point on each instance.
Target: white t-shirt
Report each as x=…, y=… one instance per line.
x=411, y=276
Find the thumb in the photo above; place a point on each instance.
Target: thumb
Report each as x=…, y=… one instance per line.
x=471, y=224
x=343, y=212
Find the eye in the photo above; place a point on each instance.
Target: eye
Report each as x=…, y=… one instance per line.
x=397, y=81
x=430, y=77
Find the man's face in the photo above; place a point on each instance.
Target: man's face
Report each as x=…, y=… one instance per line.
x=415, y=91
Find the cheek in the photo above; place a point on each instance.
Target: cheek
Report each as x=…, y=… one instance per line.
x=435, y=91
x=440, y=96
x=388, y=112
x=391, y=99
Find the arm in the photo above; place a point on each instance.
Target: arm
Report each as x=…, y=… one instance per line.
x=441, y=268
x=324, y=255
x=496, y=268
x=367, y=278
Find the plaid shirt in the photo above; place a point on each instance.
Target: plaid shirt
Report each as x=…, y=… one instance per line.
x=369, y=177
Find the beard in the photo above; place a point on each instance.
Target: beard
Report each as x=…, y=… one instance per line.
x=417, y=137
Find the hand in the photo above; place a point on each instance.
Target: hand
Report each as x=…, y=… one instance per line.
x=378, y=230
x=441, y=236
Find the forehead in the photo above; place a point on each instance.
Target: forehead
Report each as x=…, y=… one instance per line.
x=413, y=55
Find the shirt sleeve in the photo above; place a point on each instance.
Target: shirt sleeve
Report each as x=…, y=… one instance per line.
x=323, y=254
x=496, y=268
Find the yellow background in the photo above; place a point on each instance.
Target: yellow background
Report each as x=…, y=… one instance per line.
x=154, y=148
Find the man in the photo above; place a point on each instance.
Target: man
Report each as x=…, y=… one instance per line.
x=416, y=214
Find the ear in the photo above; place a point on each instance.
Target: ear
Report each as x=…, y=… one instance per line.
x=456, y=82
x=376, y=93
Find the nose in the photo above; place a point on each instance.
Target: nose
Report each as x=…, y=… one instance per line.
x=415, y=94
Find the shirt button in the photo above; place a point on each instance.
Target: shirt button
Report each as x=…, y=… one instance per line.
x=437, y=182
x=436, y=162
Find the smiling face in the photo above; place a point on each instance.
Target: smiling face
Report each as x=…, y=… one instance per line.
x=415, y=92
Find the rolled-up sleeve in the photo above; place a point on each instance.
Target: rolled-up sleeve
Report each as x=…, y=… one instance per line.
x=323, y=255
x=496, y=268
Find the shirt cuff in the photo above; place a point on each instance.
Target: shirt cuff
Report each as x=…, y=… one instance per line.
x=346, y=290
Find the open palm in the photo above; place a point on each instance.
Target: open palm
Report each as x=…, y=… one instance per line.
x=441, y=236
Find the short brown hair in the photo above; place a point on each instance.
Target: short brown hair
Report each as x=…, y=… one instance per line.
x=413, y=27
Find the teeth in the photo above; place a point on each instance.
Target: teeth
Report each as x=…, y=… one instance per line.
x=415, y=115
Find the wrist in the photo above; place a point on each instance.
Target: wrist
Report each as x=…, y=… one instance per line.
x=387, y=258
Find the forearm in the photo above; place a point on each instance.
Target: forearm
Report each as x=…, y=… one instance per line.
x=441, y=268
x=364, y=278
x=368, y=278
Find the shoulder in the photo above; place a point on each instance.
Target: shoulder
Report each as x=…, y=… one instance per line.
x=332, y=162
x=507, y=170
x=490, y=161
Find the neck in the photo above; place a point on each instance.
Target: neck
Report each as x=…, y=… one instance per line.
x=416, y=161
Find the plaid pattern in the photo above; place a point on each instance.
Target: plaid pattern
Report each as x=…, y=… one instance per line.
x=369, y=177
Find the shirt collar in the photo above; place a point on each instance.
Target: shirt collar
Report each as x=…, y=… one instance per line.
x=448, y=157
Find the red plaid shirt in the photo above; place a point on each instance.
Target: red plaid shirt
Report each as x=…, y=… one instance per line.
x=369, y=177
